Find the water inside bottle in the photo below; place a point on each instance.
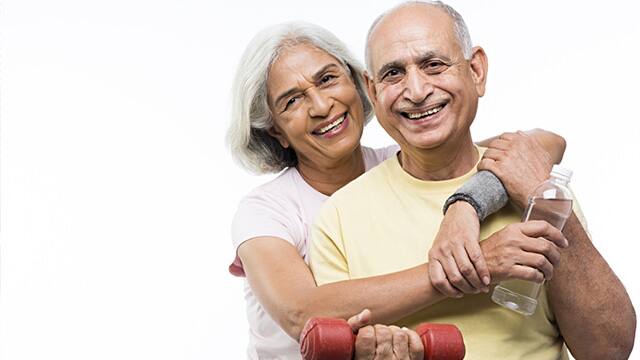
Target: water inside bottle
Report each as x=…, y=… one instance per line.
x=554, y=211
x=520, y=295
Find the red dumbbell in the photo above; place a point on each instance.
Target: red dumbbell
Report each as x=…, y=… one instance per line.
x=332, y=339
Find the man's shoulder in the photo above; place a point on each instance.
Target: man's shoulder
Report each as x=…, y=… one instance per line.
x=363, y=186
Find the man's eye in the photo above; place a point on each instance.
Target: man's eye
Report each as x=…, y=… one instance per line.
x=435, y=66
x=391, y=73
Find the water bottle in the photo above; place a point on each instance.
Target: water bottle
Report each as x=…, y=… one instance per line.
x=550, y=201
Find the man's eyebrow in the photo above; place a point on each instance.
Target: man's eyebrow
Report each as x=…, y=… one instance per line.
x=318, y=74
x=426, y=56
x=430, y=55
x=387, y=66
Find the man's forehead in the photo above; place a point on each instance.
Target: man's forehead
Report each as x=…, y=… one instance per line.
x=409, y=46
x=418, y=29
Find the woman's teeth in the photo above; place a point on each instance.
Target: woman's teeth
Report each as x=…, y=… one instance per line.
x=423, y=114
x=331, y=126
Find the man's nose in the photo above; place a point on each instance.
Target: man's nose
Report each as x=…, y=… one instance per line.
x=417, y=86
x=320, y=104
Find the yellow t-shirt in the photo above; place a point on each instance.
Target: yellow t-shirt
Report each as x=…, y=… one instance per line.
x=385, y=221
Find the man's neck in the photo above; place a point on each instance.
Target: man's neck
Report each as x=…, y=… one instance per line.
x=447, y=161
x=327, y=179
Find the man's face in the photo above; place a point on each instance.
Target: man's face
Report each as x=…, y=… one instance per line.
x=424, y=92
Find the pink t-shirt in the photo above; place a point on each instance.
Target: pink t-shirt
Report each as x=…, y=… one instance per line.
x=285, y=207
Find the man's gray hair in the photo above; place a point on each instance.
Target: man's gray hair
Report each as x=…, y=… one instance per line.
x=459, y=27
x=247, y=137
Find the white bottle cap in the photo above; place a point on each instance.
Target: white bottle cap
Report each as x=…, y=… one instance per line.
x=561, y=172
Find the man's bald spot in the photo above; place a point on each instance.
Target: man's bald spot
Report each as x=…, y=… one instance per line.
x=459, y=27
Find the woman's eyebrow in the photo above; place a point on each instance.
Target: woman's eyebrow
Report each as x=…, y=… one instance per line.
x=316, y=76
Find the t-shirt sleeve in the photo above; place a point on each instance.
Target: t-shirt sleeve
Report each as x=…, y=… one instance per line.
x=326, y=254
x=579, y=214
x=260, y=215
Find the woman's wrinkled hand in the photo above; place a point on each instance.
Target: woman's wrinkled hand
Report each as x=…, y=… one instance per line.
x=520, y=162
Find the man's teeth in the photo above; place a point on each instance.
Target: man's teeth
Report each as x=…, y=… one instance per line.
x=426, y=113
x=332, y=125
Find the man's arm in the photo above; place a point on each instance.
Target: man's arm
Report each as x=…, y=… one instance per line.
x=594, y=312
x=592, y=308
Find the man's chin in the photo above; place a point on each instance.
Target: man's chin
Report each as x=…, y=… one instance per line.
x=426, y=141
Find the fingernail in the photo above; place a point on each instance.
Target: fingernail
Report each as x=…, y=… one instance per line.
x=485, y=290
x=486, y=280
x=458, y=296
x=566, y=243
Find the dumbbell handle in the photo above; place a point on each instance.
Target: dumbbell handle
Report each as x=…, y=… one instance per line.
x=332, y=339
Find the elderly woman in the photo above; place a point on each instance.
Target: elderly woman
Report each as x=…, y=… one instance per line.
x=299, y=105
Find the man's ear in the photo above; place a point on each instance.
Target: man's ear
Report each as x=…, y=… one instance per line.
x=479, y=68
x=278, y=135
x=371, y=88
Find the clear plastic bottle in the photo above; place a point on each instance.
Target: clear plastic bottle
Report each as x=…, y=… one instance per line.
x=550, y=201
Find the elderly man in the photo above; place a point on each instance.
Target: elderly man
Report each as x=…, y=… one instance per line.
x=424, y=80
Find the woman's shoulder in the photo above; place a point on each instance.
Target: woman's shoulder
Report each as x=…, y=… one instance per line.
x=276, y=187
x=373, y=157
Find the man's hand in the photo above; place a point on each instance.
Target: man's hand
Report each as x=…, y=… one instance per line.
x=525, y=251
x=456, y=263
x=381, y=342
x=520, y=162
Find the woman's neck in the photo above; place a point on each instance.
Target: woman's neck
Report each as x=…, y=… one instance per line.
x=328, y=178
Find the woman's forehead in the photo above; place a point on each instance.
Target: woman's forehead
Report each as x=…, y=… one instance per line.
x=297, y=64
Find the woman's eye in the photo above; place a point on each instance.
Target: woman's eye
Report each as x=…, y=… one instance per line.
x=325, y=79
x=290, y=102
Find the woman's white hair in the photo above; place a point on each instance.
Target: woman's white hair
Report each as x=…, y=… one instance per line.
x=247, y=137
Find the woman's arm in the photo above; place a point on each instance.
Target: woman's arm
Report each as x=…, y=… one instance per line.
x=284, y=285
x=552, y=143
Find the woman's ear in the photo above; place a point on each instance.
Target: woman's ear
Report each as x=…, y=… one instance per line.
x=278, y=135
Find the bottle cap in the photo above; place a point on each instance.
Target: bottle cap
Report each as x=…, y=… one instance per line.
x=561, y=172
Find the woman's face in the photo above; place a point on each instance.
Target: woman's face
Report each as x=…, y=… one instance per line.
x=315, y=105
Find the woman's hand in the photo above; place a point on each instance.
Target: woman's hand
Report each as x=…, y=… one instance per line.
x=521, y=163
x=382, y=342
x=456, y=263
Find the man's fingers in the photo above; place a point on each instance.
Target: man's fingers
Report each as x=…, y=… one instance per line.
x=359, y=320
x=475, y=255
x=538, y=262
x=467, y=269
x=365, y=343
x=527, y=273
x=455, y=277
x=439, y=280
x=544, y=247
x=539, y=228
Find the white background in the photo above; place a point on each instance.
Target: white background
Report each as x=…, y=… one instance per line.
x=117, y=190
